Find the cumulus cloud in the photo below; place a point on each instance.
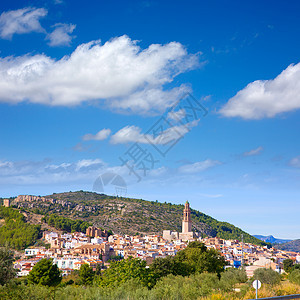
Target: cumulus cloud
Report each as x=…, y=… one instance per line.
x=253, y=152
x=134, y=134
x=266, y=98
x=21, y=21
x=101, y=135
x=118, y=72
x=199, y=166
x=295, y=162
x=61, y=35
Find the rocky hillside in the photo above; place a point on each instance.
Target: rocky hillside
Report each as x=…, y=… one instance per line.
x=290, y=246
x=126, y=215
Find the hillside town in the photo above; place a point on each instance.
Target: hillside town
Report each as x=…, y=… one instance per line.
x=97, y=248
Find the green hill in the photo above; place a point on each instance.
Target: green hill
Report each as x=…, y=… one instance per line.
x=130, y=216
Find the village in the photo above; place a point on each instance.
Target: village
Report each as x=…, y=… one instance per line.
x=97, y=248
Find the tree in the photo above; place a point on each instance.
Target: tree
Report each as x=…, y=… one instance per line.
x=45, y=273
x=288, y=265
x=268, y=276
x=98, y=269
x=125, y=270
x=7, y=271
x=161, y=267
x=199, y=259
x=86, y=274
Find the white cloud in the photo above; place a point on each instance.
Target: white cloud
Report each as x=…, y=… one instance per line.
x=87, y=163
x=134, y=134
x=177, y=115
x=61, y=35
x=199, y=166
x=21, y=21
x=266, y=98
x=150, y=100
x=295, y=162
x=119, y=72
x=253, y=152
x=128, y=134
x=43, y=172
x=101, y=135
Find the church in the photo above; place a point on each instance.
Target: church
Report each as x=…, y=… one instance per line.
x=187, y=234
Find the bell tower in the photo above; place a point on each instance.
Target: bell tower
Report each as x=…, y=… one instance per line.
x=186, y=222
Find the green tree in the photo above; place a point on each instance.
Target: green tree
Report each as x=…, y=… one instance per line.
x=86, y=274
x=98, y=269
x=7, y=271
x=16, y=233
x=288, y=265
x=199, y=259
x=125, y=270
x=268, y=276
x=164, y=266
x=45, y=273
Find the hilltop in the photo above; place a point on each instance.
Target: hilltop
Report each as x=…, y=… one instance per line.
x=126, y=215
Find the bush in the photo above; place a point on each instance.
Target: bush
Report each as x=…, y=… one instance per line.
x=267, y=276
x=295, y=276
x=233, y=276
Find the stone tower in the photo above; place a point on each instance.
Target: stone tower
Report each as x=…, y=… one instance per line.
x=186, y=222
x=6, y=202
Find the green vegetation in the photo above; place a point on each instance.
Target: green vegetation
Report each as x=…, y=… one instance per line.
x=7, y=272
x=226, y=230
x=233, y=276
x=124, y=270
x=86, y=275
x=66, y=224
x=132, y=279
x=129, y=216
x=198, y=259
x=16, y=233
x=194, y=287
x=288, y=265
x=195, y=259
x=267, y=276
x=45, y=273
x=294, y=276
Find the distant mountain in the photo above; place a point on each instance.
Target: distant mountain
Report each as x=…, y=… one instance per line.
x=128, y=216
x=290, y=246
x=271, y=239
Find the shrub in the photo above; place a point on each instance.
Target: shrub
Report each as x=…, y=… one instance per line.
x=295, y=276
x=267, y=276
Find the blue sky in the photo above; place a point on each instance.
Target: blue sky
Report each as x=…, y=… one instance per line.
x=82, y=85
